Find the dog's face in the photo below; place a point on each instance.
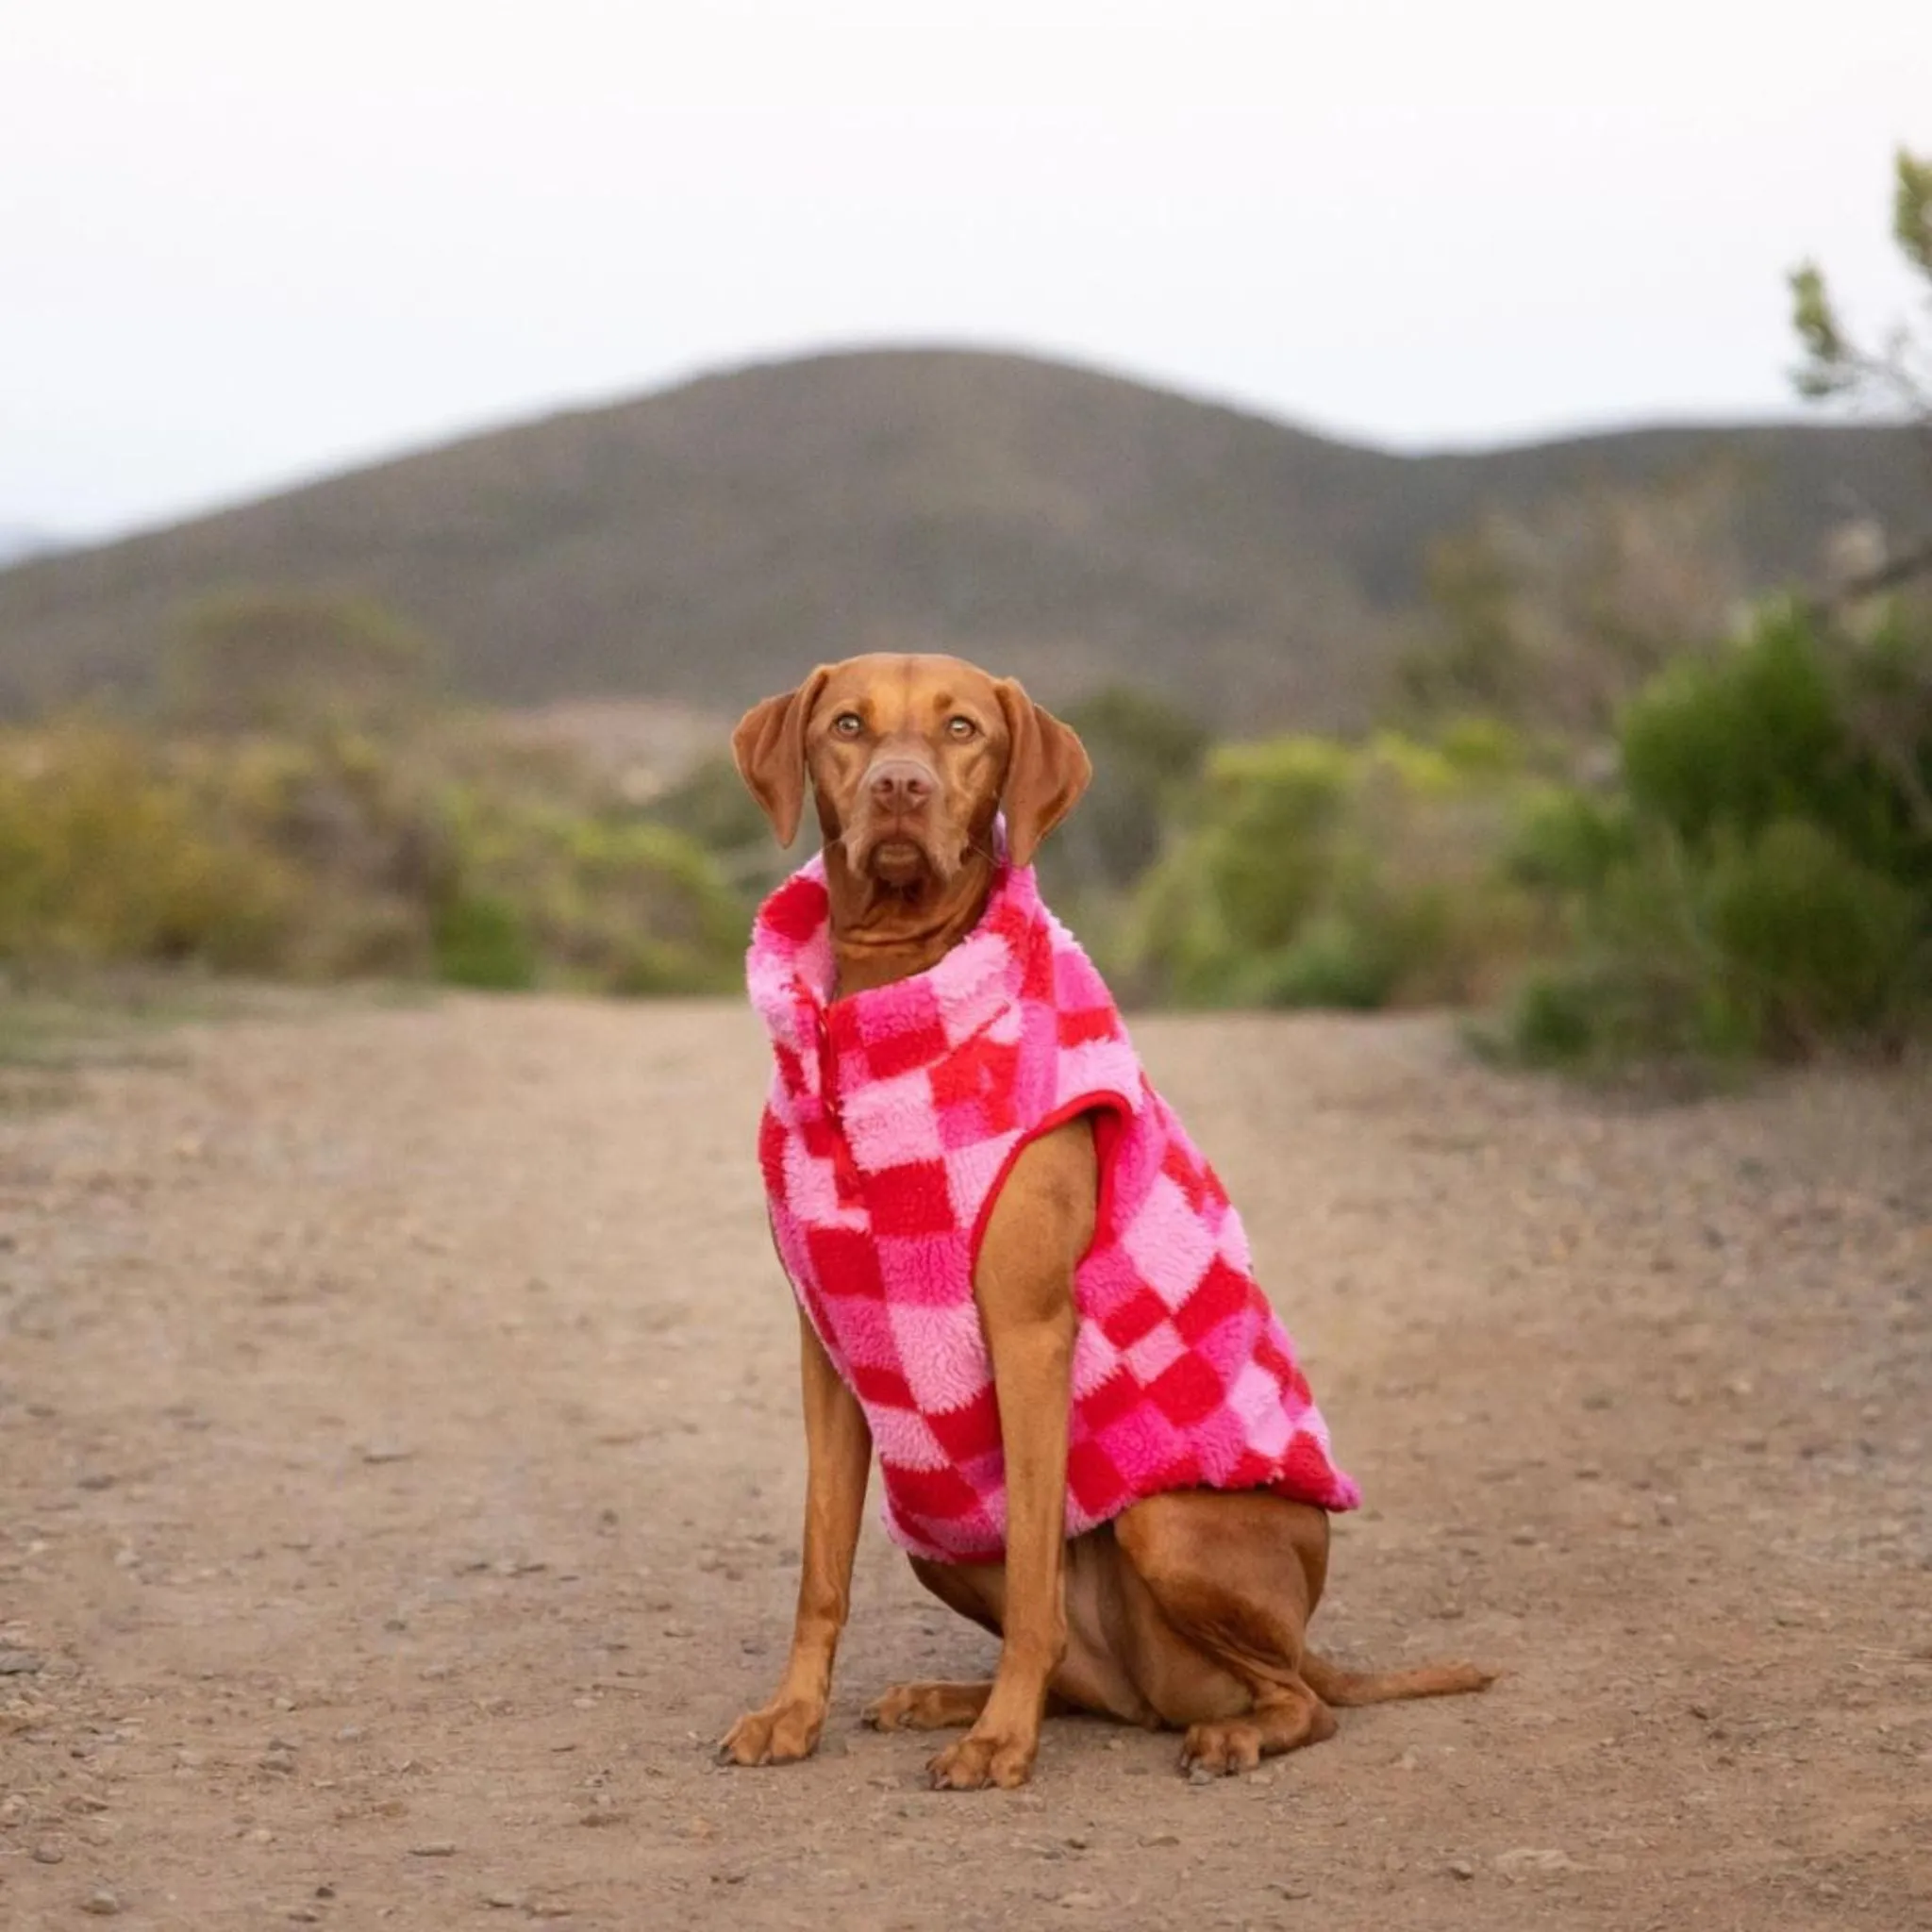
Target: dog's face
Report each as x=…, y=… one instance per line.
x=909, y=758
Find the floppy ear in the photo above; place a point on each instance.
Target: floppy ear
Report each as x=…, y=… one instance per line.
x=1047, y=769
x=768, y=748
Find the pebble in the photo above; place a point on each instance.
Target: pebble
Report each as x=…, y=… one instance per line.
x=436, y=1848
x=282, y=1761
x=102, y=1904
x=19, y=1663
x=504, y=1902
x=1514, y=1863
x=1461, y=1868
x=48, y=1855
x=1082, y=1901
x=1200, y=1774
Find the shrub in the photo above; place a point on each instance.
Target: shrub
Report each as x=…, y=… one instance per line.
x=107, y=855
x=1815, y=946
x=1323, y=875
x=483, y=942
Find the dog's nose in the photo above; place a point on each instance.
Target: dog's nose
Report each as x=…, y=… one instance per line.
x=901, y=786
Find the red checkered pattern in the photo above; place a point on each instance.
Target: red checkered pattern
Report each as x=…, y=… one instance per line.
x=894, y=1116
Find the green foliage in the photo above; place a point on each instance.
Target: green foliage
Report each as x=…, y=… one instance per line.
x=1568, y=840
x=339, y=855
x=615, y=903
x=1765, y=885
x=105, y=855
x=483, y=942
x=1816, y=948
x=1147, y=753
x=1318, y=873
x=1836, y=364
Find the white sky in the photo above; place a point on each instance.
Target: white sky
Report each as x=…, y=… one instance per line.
x=243, y=243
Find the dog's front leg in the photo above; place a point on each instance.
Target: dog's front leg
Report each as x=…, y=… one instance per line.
x=1041, y=1227
x=838, y=1463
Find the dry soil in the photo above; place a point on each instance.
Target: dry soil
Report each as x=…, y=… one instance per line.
x=399, y=1467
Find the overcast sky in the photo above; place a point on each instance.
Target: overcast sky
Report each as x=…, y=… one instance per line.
x=242, y=244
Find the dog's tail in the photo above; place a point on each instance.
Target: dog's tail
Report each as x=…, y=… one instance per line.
x=1335, y=1686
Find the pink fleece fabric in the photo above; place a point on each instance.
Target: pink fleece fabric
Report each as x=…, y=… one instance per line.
x=894, y=1115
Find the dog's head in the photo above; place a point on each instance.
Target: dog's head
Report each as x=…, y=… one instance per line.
x=909, y=758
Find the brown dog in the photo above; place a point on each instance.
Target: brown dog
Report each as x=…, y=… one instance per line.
x=1188, y=1610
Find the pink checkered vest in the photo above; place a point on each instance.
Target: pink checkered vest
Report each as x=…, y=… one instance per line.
x=894, y=1116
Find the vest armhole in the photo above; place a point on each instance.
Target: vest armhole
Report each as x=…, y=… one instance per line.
x=1111, y=1110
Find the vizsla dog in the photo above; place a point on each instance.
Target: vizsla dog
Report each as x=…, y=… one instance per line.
x=934, y=784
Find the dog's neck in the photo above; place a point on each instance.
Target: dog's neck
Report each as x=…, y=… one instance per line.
x=881, y=933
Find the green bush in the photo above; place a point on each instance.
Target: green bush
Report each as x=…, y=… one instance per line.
x=483, y=942
x=107, y=855
x=1765, y=885
x=1319, y=874
x=1816, y=948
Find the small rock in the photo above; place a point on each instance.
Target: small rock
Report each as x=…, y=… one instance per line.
x=385, y=1452
x=549, y=1908
x=1407, y=1761
x=102, y=1904
x=1082, y=1901
x=1161, y=1837
x=1522, y=1858
x=1699, y=1709
x=1461, y=1868
x=1200, y=1774
x=97, y=1479
x=305, y=1915
x=19, y=1663
x=504, y=1902
x=14, y=1811
x=1292, y=1887
x=48, y=1855
x=349, y=1734
x=282, y=1762
x=436, y=1848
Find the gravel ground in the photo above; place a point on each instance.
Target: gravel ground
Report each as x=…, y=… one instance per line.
x=399, y=1469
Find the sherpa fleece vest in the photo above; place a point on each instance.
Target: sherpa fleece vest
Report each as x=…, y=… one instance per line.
x=894, y=1116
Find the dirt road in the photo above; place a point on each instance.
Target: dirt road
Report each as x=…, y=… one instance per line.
x=398, y=1471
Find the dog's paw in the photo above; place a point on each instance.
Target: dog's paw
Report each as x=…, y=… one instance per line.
x=978, y=1760
x=1222, y=1749
x=928, y=1707
x=782, y=1733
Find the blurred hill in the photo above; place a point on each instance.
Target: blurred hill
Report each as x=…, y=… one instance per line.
x=707, y=544
x=18, y=541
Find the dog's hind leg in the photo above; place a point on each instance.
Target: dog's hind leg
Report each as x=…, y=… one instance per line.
x=1235, y=1579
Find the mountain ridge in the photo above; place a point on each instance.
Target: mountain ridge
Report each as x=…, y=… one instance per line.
x=706, y=541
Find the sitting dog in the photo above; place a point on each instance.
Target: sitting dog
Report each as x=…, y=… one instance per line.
x=1017, y=1279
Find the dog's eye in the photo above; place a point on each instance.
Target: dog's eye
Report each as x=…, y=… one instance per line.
x=848, y=723
x=962, y=728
